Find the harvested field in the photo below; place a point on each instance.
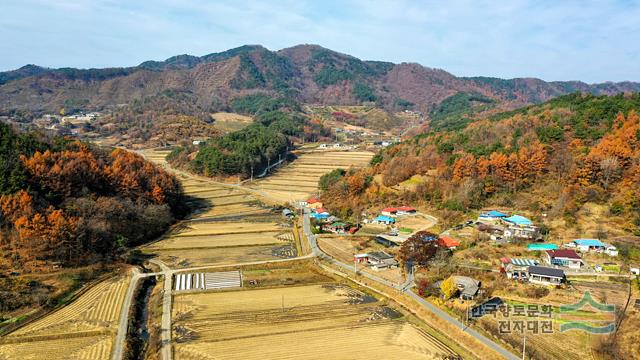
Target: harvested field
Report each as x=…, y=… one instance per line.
x=299, y=179
x=231, y=227
x=84, y=329
x=261, y=324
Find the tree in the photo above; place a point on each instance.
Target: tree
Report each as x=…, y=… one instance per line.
x=448, y=287
x=419, y=248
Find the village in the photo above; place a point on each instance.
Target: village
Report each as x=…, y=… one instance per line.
x=499, y=259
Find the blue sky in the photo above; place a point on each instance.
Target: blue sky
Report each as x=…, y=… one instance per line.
x=593, y=41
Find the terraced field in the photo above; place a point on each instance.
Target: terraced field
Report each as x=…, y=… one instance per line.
x=232, y=226
x=304, y=322
x=299, y=179
x=84, y=329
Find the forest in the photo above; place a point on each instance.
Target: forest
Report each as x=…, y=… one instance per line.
x=66, y=203
x=277, y=121
x=571, y=150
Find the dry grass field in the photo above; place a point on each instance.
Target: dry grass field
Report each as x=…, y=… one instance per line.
x=302, y=322
x=84, y=329
x=299, y=179
x=232, y=226
x=228, y=122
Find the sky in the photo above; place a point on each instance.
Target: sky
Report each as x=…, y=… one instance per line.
x=592, y=41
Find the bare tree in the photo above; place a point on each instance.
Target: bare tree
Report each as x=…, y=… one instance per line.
x=609, y=167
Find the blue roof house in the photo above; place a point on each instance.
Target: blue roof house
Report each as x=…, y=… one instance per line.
x=518, y=220
x=383, y=219
x=585, y=245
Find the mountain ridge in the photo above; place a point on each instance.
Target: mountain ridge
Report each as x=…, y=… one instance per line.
x=309, y=73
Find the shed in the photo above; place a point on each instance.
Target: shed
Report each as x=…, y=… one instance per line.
x=493, y=214
x=448, y=242
x=542, y=247
x=518, y=220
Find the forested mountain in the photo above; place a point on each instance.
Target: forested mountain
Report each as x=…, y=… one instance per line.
x=548, y=159
x=65, y=203
x=307, y=73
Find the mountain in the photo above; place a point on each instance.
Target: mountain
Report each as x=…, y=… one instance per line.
x=308, y=73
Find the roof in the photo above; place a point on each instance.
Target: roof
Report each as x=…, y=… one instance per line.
x=406, y=208
x=589, y=242
x=313, y=200
x=379, y=255
x=319, y=216
x=518, y=220
x=494, y=213
x=322, y=211
x=545, y=271
x=542, y=246
x=338, y=224
x=385, y=218
x=448, y=241
x=470, y=285
x=563, y=253
x=359, y=256
x=524, y=262
x=286, y=212
x=390, y=209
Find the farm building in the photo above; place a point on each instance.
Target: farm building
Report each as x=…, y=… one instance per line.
x=467, y=287
x=381, y=260
x=448, y=242
x=385, y=220
x=568, y=258
x=517, y=268
x=287, y=213
x=389, y=211
x=545, y=276
x=398, y=211
x=406, y=210
x=542, y=247
x=361, y=258
x=492, y=215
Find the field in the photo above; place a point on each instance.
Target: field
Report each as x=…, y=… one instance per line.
x=228, y=122
x=84, y=329
x=231, y=226
x=302, y=322
x=299, y=179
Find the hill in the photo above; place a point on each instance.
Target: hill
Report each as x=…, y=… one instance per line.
x=307, y=73
x=550, y=160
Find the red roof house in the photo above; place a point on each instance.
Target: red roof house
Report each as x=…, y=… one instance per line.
x=448, y=242
x=564, y=257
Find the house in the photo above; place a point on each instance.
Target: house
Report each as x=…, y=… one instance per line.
x=320, y=216
x=336, y=227
x=389, y=211
x=586, y=245
x=322, y=210
x=287, y=213
x=545, y=276
x=381, y=260
x=448, y=242
x=385, y=220
x=406, y=210
x=314, y=203
x=519, y=227
x=564, y=257
x=468, y=287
